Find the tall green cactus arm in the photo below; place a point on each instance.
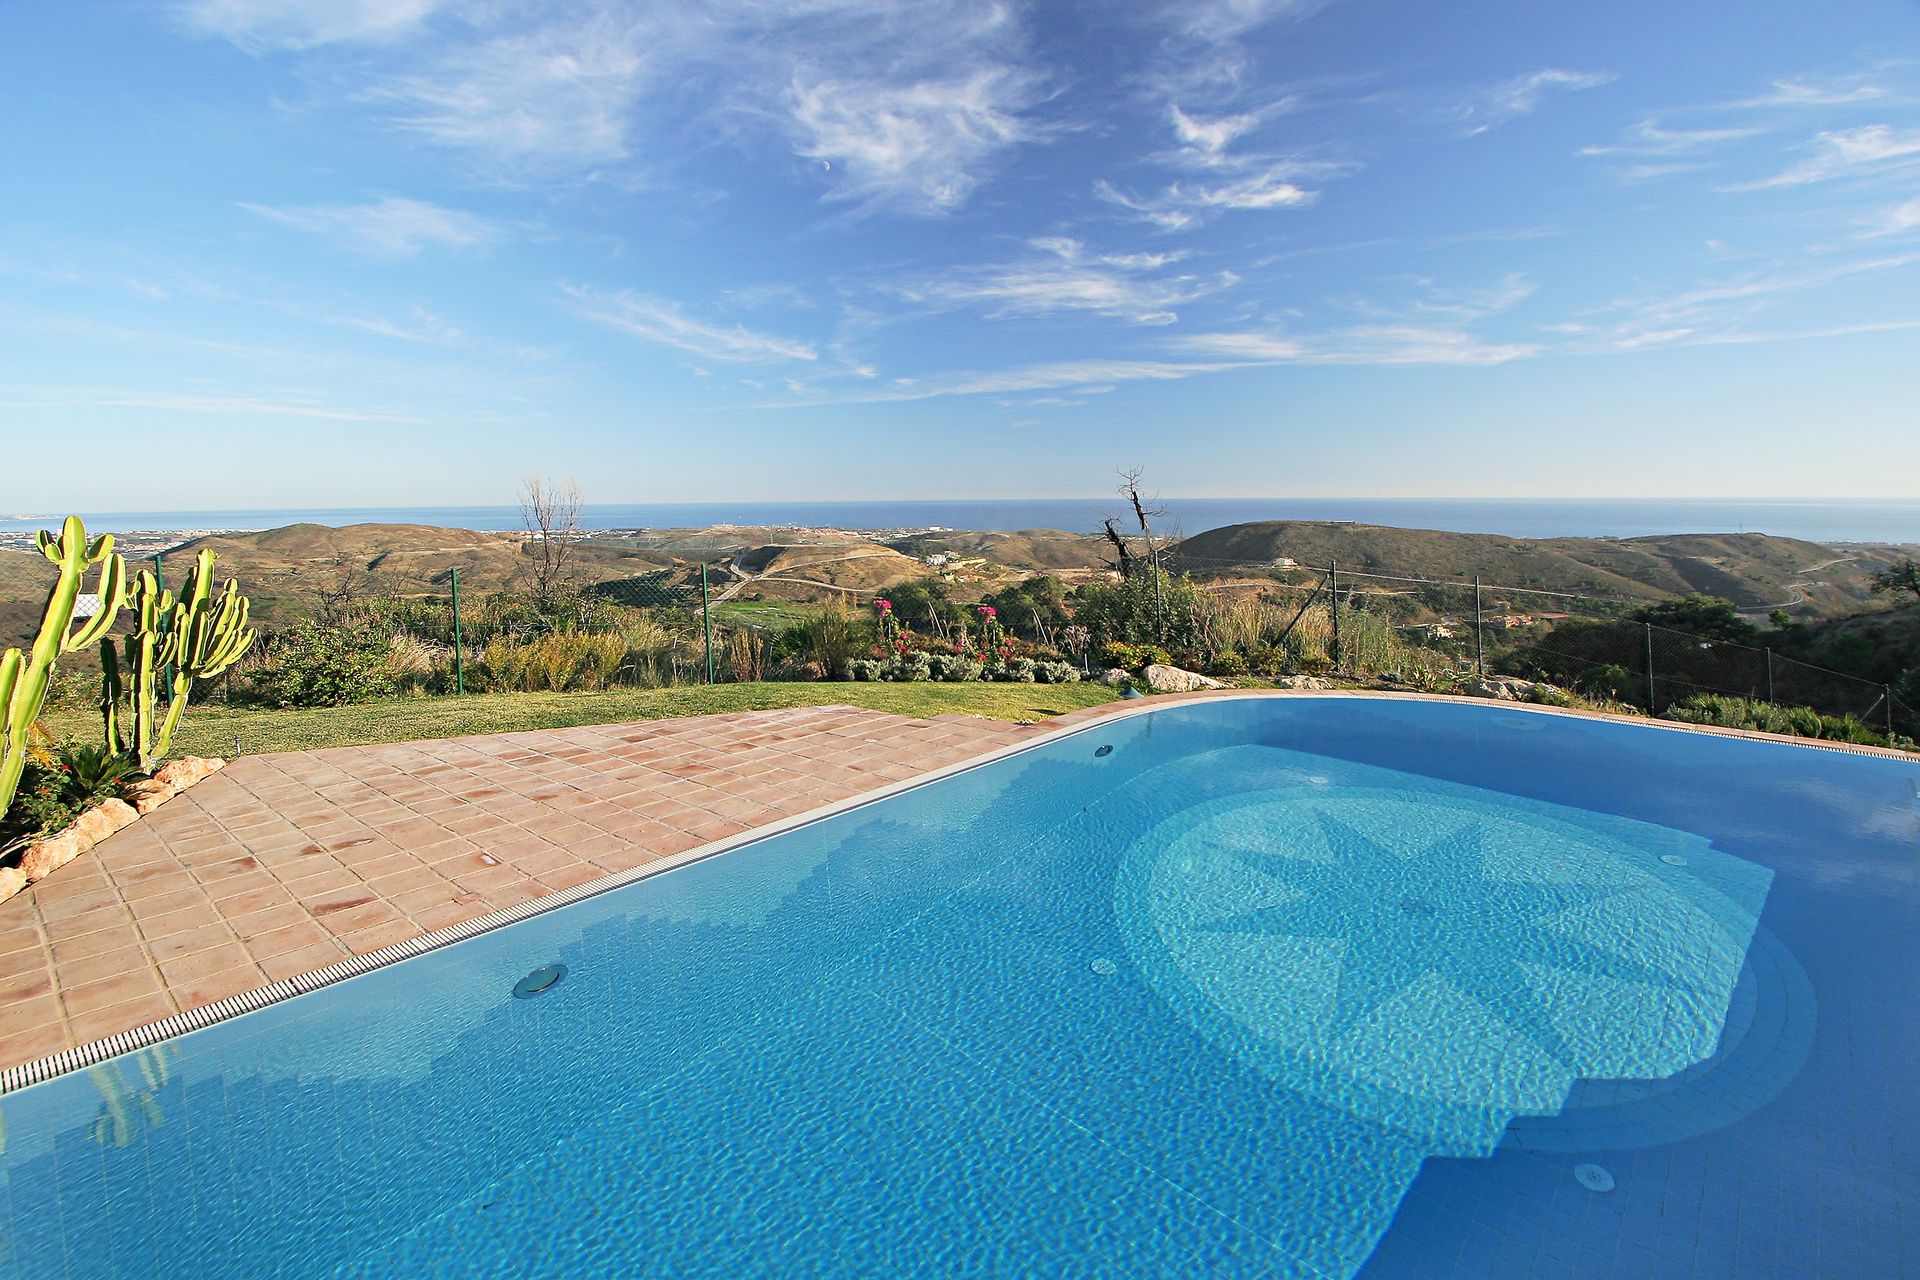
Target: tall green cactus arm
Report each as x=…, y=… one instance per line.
x=26, y=676
x=178, y=640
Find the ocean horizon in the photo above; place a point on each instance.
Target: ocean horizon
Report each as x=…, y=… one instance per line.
x=1816, y=520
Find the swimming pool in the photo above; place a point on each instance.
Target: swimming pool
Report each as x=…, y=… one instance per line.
x=1280, y=986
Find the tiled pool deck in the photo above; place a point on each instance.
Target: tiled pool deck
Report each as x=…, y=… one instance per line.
x=284, y=864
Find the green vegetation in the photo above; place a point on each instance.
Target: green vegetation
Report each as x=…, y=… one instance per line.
x=214, y=730
x=1800, y=722
x=25, y=677
x=1902, y=577
x=1708, y=617
x=177, y=640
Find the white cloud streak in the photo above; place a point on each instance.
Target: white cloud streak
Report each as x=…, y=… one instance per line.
x=921, y=147
x=1064, y=276
x=258, y=25
x=1846, y=153
x=1524, y=94
x=170, y=402
x=907, y=109
x=1895, y=220
x=389, y=228
x=664, y=322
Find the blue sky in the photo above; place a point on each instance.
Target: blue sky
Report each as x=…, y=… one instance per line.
x=375, y=252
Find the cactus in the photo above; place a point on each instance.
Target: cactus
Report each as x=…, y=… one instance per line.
x=24, y=676
x=176, y=640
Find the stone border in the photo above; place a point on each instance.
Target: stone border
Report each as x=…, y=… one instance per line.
x=47, y=854
x=1067, y=726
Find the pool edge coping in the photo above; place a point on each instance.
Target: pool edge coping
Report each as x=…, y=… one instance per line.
x=93, y=1052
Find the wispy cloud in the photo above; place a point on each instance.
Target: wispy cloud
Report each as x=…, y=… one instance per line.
x=1204, y=140
x=1221, y=20
x=1182, y=205
x=1894, y=220
x=1807, y=91
x=1719, y=312
x=1081, y=376
x=899, y=109
x=920, y=147
x=390, y=228
x=1848, y=152
x=1651, y=138
x=1523, y=95
x=552, y=95
x=302, y=24
x=1398, y=344
x=292, y=406
x=661, y=321
x=1063, y=276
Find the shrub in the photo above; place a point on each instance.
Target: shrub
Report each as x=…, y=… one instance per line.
x=1056, y=673
x=1730, y=712
x=954, y=668
x=58, y=785
x=1136, y=610
x=1227, y=663
x=833, y=639
x=747, y=655
x=313, y=664
x=864, y=668
x=558, y=662
x=1013, y=671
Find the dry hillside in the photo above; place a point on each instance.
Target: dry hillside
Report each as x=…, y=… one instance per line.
x=1754, y=570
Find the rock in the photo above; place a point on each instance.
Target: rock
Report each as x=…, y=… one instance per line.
x=1164, y=679
x=12, y=881
x=1501, y=688
x=118, y=813
x=44, y=857
x=92, y=827
x=182, y=773
x=1302, y=682
x=149, y=795
x=1113, y=676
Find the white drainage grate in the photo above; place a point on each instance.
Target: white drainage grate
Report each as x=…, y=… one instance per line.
x=1593, y=1177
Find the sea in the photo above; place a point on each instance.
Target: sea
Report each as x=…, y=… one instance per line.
x=1817, y=520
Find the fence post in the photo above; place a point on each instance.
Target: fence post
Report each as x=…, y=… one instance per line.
x=459, y=655
x=1333, y=585
x=1769, y=674
x=706, y=620
x=1479, y=641
x=1887, y=693
x=1652, y=710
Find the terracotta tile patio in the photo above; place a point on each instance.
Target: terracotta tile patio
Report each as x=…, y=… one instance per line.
x=282, y=864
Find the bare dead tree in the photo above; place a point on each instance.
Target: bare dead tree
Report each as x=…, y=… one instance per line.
x=551, y=514
x=1130, y=489
x=335, y=594
x=1120, y=546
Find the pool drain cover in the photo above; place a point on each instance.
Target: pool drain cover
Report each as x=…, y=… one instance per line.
x=540, y=981
x=1106, y=750
x=1593, y=1177
x=1673, y=860
x=1105, y=967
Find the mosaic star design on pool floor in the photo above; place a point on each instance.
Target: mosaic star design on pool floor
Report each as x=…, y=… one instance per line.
x=1434, y=959
x=1480, y=941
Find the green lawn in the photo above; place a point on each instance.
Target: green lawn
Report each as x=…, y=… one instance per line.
x=215, y=730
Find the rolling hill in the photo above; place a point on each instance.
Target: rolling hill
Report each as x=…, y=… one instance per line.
x=1756, y=571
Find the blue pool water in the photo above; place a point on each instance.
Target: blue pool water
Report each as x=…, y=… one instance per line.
x=1327, y=987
